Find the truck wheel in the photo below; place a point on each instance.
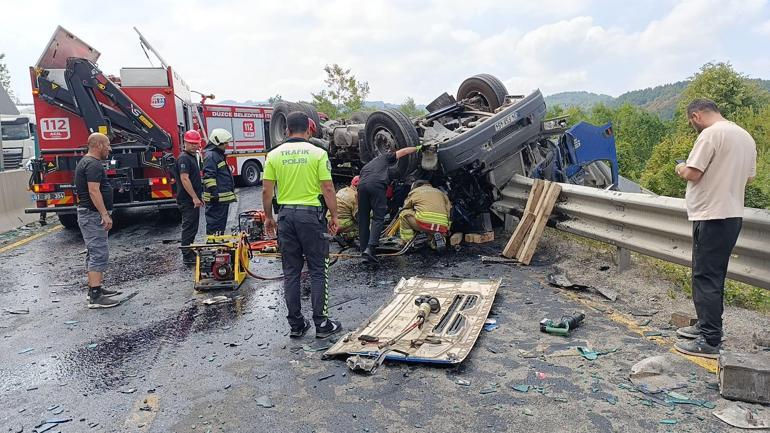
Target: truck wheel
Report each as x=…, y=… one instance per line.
x=387, y=131
x=491, y=90
x=69, y=220
x=313, y=114
x=251, y=174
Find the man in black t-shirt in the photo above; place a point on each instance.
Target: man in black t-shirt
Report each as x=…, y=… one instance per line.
x=94, y=206
x=374, y=182
x=188, y=191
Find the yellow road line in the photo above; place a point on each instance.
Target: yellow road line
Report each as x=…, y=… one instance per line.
x=30, y=238
x=709, y=365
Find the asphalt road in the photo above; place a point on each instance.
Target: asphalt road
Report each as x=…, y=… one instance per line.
x=164, y=362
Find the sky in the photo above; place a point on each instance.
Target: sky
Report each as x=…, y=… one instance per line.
x=241, y=50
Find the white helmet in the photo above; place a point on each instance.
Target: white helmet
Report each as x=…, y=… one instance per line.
x=220, y=137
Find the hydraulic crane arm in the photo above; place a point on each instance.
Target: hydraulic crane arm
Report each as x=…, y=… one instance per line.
x=83, y=80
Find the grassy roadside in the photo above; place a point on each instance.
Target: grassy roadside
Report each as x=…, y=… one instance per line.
x=736, y=293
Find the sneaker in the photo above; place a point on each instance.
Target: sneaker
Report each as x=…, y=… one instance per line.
x=698, y=347
x=691, y=332
x=327, y=328
x=102, y=302
x=299, y=332
x=369, y=256
x=109, y=293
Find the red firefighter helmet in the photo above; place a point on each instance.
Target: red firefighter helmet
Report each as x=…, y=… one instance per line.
x=192, y=136
x=311, y=126
x=356, y=180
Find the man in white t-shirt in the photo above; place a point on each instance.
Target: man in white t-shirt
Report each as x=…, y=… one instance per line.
x=722, y=160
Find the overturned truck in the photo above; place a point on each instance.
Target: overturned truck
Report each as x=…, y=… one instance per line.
x=473, y=144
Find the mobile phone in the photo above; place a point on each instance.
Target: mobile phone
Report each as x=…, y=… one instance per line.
x=680, y=161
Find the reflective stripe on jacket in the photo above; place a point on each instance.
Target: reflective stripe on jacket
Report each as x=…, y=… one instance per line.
x=430, y=205
x=217, y=176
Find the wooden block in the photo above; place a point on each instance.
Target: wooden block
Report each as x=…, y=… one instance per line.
x=528, y=217
x=745, y=377
x=455, y=239
x=543, y=212
x=479, y=238
x=680, y=319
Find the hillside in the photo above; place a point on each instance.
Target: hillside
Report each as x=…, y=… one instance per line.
x=660, y=100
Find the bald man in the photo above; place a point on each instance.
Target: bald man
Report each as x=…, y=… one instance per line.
x=94, y=206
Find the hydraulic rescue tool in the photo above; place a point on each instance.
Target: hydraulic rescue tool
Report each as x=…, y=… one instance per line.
x=426, y=305
x=563, y=326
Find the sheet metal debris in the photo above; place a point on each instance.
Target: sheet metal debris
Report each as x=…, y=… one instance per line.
x=746, y=416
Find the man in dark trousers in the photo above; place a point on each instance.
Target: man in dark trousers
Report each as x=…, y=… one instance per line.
x=188, y=191
x=94, y=207
x=302, y=174
x=371, y=199
x=723, y=159
x=218, y=182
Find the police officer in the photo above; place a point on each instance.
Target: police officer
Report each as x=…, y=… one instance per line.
x=372, y=199
x=302, y=174
x=218, y=182
x=189, y=189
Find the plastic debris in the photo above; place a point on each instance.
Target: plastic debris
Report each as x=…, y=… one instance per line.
x=27, y=350
x=71, y=322
x=745, y=416
x=92, y=345
x=591, y=355
x=668, y=421
x=216, y=300
x=490, y=325
x=264, y=401
x=463, y=382
x=520, y=388
x=540, y=375
x=127, y=390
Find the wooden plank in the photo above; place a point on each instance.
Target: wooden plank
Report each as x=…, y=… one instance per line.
x=479, y=238
x=536, y=211
x=527, y=218
x=544, y=211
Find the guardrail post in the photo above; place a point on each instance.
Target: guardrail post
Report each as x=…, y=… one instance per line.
x=510, y=222
x=624, y=259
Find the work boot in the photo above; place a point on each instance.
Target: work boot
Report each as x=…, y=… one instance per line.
x=369, y=256
x=299, y=332
x=327, y=328
x=109, y=293
x=698, y=347
x=97, y=300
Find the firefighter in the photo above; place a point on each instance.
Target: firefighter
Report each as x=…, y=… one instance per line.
x=372, y=199
x=302, y=174
x=217, y=181
x=189, y=190
x=426, y=209
x=347, y=208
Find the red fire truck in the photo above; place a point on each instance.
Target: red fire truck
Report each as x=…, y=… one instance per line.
x=145, y=111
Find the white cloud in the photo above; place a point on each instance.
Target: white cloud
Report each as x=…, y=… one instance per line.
x=245, y=50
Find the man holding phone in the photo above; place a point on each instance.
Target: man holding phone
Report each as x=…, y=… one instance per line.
x=722, y=160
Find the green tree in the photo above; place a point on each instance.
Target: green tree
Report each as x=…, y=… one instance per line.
x=409, y=108
x=274, y=99
x=741, y=100
x=344, y=93
x=5, y=78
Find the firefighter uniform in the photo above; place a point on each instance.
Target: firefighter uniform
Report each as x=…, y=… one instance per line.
x=297, y=168
x=426, y=209
x=219, y=189
x=347, y=211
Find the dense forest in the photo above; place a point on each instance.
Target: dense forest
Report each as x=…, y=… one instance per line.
x=648, y=144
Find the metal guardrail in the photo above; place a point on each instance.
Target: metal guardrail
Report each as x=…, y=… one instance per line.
x=656, y=226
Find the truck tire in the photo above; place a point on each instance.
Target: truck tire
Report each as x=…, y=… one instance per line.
x=389, y=130
x=489, y=87
x=312, y=114
x=251, y=173
x=278, y=120
x=69, y=220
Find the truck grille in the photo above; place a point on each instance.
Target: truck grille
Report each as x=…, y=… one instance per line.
x=12, y=158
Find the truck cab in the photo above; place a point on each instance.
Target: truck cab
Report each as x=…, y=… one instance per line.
x=18, y=139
